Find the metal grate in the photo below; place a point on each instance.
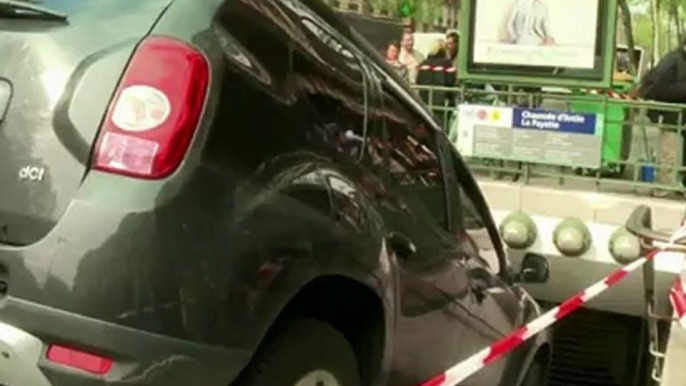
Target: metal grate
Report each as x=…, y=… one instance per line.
x=594, y=348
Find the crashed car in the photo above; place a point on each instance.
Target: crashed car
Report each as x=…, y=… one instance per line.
x=235, y=192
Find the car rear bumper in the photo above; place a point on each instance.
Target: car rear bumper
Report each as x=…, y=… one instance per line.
x=140, y=358
x=20, y=354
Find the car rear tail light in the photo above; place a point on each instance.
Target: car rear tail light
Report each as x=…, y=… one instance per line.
x=155, y=111
x=91, y=363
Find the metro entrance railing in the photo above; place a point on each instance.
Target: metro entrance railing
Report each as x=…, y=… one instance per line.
x=642, y=141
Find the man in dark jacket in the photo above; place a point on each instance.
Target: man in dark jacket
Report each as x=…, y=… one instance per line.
x=438, y=71
x=666, y=82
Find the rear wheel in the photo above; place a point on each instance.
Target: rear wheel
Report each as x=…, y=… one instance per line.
x=304, y=353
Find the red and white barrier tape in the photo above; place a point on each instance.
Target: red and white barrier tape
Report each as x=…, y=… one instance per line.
x=677, y=296
x=437, y=68
x=613, y=95
x=678, y=300
x=483, y=358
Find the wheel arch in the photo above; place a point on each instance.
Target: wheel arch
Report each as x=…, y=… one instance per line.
x=350, y=306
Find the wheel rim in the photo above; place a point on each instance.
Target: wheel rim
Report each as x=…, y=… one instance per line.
x=318, y=378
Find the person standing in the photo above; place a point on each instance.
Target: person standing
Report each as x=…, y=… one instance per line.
x=433, y=72
x=529, y=24
x=452, y=47
x=392, y=58
x=666, y=82
x=409, y=57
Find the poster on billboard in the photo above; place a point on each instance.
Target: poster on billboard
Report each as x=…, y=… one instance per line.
x=536, y=33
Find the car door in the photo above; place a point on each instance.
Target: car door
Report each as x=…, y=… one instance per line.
x=434, y=289
x=494, y=309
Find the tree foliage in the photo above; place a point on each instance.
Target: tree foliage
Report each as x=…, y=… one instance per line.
x=658, y=25
x=424, y=11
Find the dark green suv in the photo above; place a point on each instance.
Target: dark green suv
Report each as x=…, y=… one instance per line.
x=234, y=192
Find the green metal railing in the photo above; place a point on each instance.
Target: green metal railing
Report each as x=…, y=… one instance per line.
x=651, y=165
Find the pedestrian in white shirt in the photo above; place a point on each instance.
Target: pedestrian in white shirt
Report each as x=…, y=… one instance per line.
x=409, y=57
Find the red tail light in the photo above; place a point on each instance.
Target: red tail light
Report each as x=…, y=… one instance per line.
x=93, y=364
x=155, y=111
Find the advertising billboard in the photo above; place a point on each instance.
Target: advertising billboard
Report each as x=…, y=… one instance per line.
x=546, y=42
x=539, y=33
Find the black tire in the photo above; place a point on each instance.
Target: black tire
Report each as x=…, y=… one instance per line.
x=302, y=347
x=536, y=375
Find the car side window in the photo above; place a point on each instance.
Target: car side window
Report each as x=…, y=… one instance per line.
x=478, y=235
x=414, y=161
x=467, y=224
x=472, y=220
